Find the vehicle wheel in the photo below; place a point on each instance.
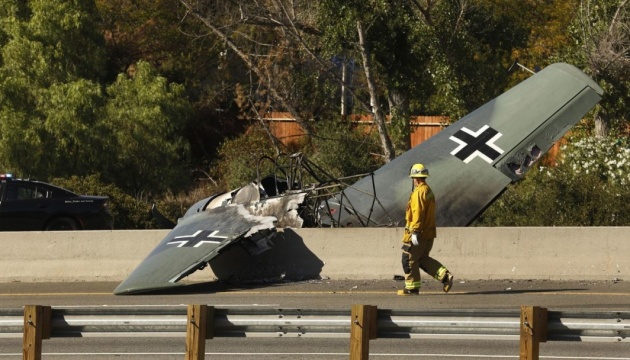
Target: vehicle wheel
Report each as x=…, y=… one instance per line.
x=62, y=223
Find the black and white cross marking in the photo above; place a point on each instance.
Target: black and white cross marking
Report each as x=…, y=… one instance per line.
x=197, y=239
x=477, y=144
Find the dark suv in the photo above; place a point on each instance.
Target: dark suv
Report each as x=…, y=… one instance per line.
x=34, y=205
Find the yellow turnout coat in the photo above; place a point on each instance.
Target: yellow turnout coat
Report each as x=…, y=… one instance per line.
x=420, y=214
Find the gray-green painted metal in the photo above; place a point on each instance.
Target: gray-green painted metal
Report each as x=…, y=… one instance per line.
x=195, y=241
x=530, y=118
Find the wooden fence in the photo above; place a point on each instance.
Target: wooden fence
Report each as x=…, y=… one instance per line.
x=284, y=127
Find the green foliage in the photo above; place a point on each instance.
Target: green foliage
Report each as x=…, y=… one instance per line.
x=588, y=187
x=599, y=36
x=144, y=117
x=342, y=150
x=174, y=205
x=239, y=157
x=73, y=46
x=66, y=110
x=128, y=213
x=135, y=213
x=48, y=97
x=449, y=59
x=53, y=41
x=72, y=135
x=397, y=50
x=334, y=146
x=56, y=120
x=470, y=47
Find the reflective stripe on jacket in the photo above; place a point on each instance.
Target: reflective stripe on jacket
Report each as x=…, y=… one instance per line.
x=420, y=214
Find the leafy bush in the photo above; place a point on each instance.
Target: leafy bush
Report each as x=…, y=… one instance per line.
x=342, y=150
x=607, y=158
x=134, y=213
x=335, y=147
x=173, y=206
x=588, y=187
x=128, y=212
x=238, y=158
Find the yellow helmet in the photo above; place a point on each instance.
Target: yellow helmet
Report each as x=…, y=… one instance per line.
x=418, y=171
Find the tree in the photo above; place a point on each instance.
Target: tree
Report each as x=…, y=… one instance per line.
x=470, y=46
x=546, y=24
x=157, y=32
x=49, y=91
x=343, y=150
x=232, y=23
x=601, y=32
x=428, y=57
x=143, y=121
x=379, y=119
x=382, y=36
x=238, y=158
x=56, y=120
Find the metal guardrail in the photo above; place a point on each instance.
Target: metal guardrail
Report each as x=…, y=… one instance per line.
x=610, y=326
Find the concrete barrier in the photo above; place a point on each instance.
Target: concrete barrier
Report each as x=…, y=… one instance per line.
x=572, y=253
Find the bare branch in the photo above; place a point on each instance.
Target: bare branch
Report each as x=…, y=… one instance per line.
x=425, y=11
x=248, y=61
x=325, y=67
x=462, y=12
x=617, y=15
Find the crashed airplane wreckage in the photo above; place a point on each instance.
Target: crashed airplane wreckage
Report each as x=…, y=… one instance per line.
x=472, y=162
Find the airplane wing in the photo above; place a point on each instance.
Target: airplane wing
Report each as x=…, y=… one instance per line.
x=472, y=161
x=195, y=241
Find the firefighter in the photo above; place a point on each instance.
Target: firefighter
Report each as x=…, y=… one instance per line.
x=419, y=235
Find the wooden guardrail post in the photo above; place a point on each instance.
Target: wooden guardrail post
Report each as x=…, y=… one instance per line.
x=210, y=322
x=196, y=332
x=37, y=326
x=363, y=328
x=533, y=331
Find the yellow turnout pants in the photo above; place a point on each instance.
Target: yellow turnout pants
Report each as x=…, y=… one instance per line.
x=416, y=257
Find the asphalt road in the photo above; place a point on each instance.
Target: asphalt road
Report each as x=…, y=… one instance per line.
x=554, y=295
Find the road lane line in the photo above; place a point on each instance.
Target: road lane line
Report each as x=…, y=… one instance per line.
x=431, y=356
x=347, y=292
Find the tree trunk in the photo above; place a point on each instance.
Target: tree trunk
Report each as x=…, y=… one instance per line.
x=602, y=127
x=346, y=84
x=377, y=112
x=399, y=112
